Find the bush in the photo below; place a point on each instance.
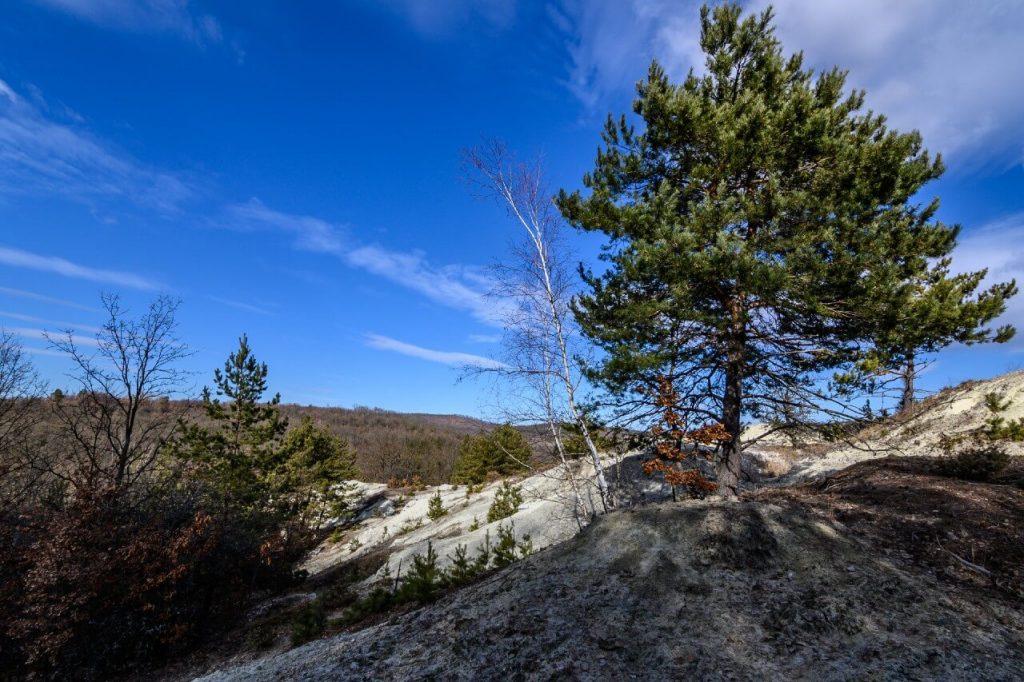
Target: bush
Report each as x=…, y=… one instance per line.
x=423, y=579
x=979, y=463
x=575, y=445
x=309, y=622
x=508, y=550
x=506, y=502
x=436, y=509
x=461, y=569
x=997, y=427
x=502, y=452
x=106, y=584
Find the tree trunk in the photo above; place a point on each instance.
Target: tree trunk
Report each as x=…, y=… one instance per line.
x=728, y=470
x=728, y=473
x=909, y=370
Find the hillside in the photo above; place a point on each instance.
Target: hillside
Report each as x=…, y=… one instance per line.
x=395, y=445
x=950, y=414
x=864, y=562
x=705, y=590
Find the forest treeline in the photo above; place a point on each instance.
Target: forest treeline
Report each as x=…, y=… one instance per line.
x=388, y=446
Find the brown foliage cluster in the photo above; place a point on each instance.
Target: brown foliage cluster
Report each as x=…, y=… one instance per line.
x=671, y=438
x=98, y=586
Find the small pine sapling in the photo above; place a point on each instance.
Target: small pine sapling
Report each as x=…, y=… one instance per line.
x=506, y=502
x=424, y=578
x=505, y=548
x=483, y=554
x=996, y=426
x=309, y=622
x=508, y=550
x=436, y=508
x=461, y=569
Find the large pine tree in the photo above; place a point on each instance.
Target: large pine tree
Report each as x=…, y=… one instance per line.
x=757, y=222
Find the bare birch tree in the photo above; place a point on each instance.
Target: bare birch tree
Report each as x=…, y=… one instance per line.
x=540, y=334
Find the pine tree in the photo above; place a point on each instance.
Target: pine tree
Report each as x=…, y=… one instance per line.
x=930, y=313
x=502, y=452
x=239, y=454
x=312, y=477
x=435, y=509
x=752, y=221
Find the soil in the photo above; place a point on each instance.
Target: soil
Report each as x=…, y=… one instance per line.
x=965, y=532
x=848, y=578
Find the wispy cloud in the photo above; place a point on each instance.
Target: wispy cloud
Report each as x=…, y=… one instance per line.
x=456, y=286
x=441, y=19
x=59, y=266
x=460, y=287
x=42, y=154
x=947, y=68
x=247, y=307
x=310, y=233
x=145, y=16
x=450, y=358
x=49, y=352
x=53, y=323
x=31, y=295
x=46, y=335
x=484, y=338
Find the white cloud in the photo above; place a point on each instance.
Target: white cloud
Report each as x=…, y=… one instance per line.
x=45, y=351
x=44, y=335
x=19, y=293
x=42, y=155
x=443, y=18
x=144, y=16
x=453, y=359
x=610, y=44
x=953, y=70
x=59, y=266
x=311, y=234
x=455, y=286
x=7, y=92
x=55, y=323
x=460, y=287
x=484, y=338
x=247, y=307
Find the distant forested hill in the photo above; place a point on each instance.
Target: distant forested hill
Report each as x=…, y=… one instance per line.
x=392, y=445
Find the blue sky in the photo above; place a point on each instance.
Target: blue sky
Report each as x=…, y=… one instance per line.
x=291, y=170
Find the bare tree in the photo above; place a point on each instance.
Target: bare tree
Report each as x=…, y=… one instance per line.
x=20, y=389
x=539, y=324
x=107, y=440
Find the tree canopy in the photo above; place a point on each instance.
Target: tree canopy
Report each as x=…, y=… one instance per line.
x=502, y=452
x=759, y=222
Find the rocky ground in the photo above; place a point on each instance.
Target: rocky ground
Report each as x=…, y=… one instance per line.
x=753, y=589
x=857, y=560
